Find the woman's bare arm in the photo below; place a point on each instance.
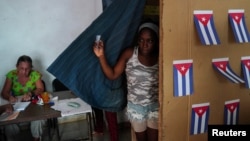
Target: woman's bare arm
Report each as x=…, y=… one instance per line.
x=39, y=87
x=6, y=91
x=112, y=72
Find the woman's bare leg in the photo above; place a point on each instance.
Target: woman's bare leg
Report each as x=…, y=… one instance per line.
x=152, y=134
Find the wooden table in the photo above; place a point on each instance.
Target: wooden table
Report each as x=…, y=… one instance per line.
x=35, y=112
x=67, y=95
x=45, y=112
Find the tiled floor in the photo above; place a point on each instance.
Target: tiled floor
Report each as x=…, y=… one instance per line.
x=77, y=131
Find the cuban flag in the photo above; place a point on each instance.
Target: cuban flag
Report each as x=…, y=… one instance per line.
x=245, y=65
x=223, y=67
x=237, y=21
x=183, y=77
x=231, y=112
x=204, y=23
x=200, y=115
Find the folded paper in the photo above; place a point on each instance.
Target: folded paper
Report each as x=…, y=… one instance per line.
x=237, y=21
x=199, y=119
x=231, y=112
x=204, y=24
x=183, y=77
x=223, y=67
x=245, y=65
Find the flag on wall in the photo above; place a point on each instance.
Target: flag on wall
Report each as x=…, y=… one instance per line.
x=204, y=23
x=231, y=112
x=223, y=67
x=183, y=77
x=245, y=65
x=200, y=115
x=237, y=21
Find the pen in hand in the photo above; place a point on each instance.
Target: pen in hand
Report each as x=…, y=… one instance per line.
x=13, y=99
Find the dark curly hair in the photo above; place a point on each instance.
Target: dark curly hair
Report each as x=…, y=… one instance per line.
x=24, y=58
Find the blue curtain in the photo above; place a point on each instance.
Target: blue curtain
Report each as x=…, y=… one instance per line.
x=78, y=68
x=106, y=3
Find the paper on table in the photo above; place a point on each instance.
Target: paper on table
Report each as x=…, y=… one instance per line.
x=20, y=106
x=6, y=116
x=62, y=105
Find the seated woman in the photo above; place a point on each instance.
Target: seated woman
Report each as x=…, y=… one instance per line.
x=25, y=82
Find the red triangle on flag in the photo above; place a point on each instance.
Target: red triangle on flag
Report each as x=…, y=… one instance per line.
x=237, y=16
x=203, y=18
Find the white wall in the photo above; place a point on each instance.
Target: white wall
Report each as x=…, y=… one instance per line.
x=41, y=29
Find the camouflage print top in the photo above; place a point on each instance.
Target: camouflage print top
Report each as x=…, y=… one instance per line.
x=142, y=81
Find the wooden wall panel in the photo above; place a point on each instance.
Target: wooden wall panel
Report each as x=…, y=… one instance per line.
x=179, y=41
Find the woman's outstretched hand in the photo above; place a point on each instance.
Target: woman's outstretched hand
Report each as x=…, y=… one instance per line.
x=98, y=48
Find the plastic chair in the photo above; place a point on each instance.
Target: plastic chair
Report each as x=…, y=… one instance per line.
x=58, y=86
x=44, y=85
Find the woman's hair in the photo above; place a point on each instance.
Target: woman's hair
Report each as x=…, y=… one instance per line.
x=24, y=58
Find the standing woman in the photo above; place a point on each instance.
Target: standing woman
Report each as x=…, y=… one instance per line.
x=141, y=66
x=25, y=82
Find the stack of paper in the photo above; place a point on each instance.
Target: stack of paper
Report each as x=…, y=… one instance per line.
x=7, y=116
x=66, y=110
x=20, y=106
